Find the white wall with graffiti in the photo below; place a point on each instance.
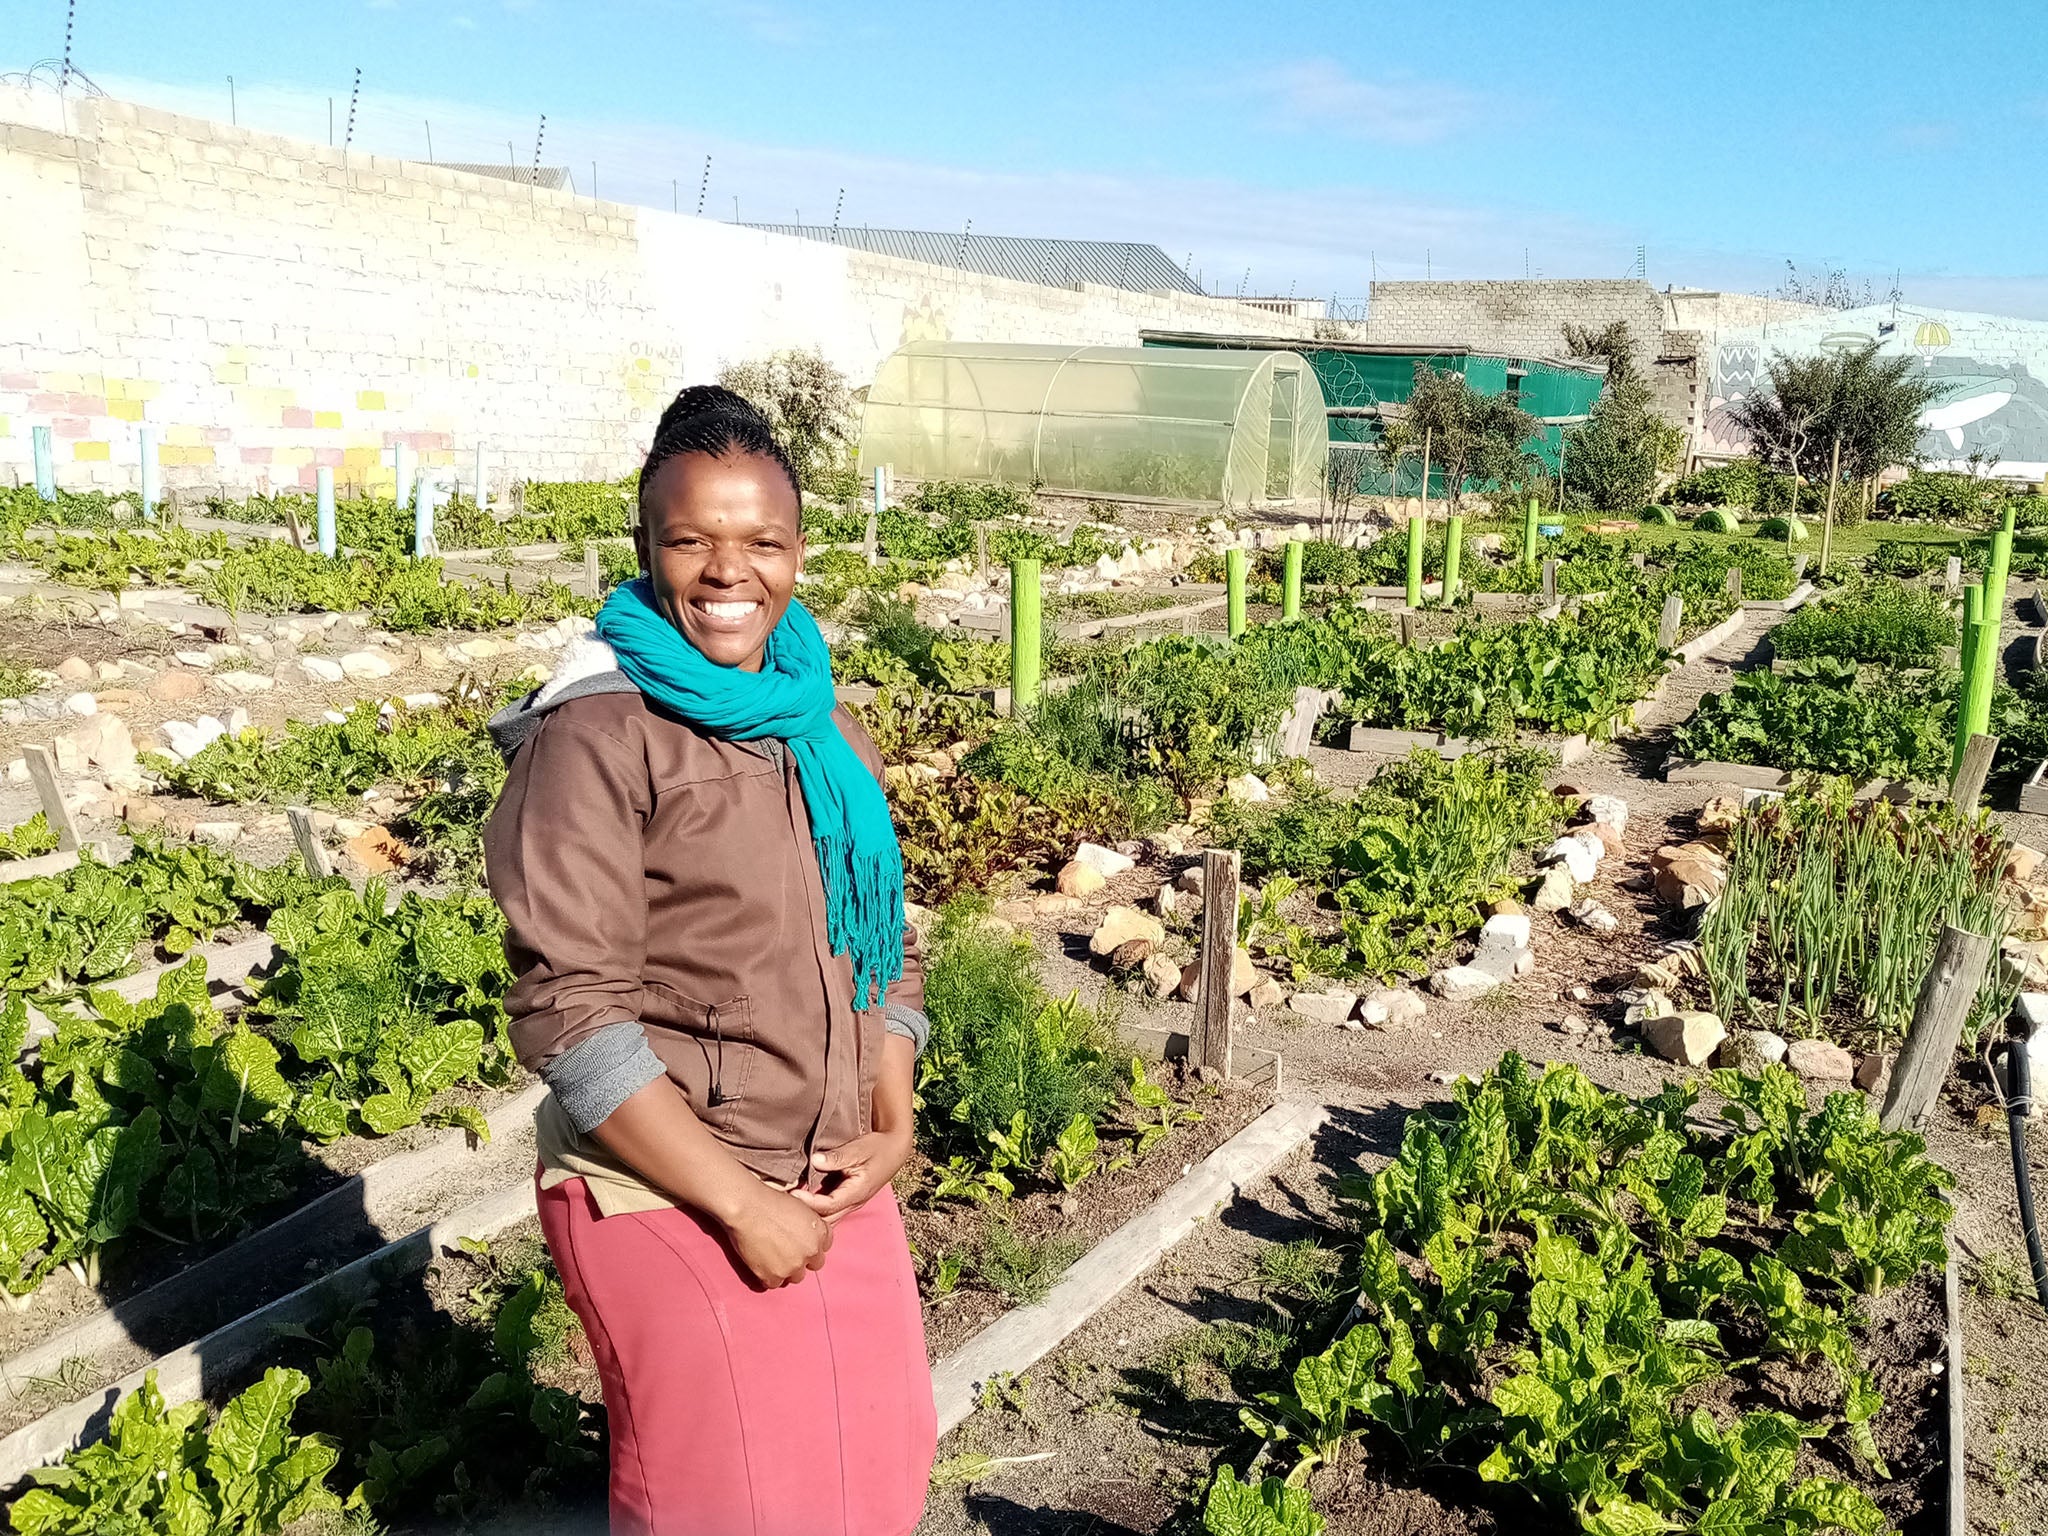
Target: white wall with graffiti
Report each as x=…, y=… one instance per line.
x=1990, y=371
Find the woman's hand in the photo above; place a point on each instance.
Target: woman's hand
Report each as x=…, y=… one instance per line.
x=856, y=1172
x=778, y=1239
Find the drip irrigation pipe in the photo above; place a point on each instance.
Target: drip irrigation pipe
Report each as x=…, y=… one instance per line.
x=2019, y=1100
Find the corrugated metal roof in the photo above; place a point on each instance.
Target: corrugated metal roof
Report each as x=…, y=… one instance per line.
x=553, y=177
x=1059, y=263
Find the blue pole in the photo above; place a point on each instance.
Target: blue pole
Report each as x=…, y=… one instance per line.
x=323, y=480
x=46, y=469
x=152, y=486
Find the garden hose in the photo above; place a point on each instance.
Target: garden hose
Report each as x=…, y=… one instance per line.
x=2019, y=1098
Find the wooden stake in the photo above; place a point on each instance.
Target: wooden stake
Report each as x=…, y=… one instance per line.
x=1952, y=576
x=318, y=865
x=1667, y=625
x=1971, y=773
x=1209, y=1044
x=42, y=767
x=1735, y=582
x=1639, y=560
x=1407, y=628
x=1946, y=995
x=872, y=538
x=1549, y=581
x=593, y=570
x=1827, y=521
x=981, y=552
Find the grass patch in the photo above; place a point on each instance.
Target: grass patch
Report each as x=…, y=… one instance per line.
x=1021, y=1268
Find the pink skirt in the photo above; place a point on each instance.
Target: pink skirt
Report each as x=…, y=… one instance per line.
x=804, y=1411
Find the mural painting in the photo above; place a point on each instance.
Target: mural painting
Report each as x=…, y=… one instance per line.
x=1990, y=373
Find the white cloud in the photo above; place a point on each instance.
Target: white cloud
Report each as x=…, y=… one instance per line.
x=1321, y=95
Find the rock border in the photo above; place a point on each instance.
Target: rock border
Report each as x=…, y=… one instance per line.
x=1024, y=1335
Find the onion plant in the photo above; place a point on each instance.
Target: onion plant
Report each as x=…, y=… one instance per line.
x=1832, y=908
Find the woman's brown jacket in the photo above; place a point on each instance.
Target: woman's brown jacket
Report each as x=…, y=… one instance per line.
x=651, y=874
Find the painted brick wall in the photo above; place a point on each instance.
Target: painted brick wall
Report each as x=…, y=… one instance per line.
x=268, y=305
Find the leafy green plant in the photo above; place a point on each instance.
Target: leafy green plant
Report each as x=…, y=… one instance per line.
x=1269, y=1507
x=1022, y=1268
x=30, y=840
x=1827, y=717
x=1882, y=621
x=1158, y=1114
x=387, y=1011
x=161, y=1469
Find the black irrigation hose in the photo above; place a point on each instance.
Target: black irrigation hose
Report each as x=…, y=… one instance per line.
x=2018, y=1100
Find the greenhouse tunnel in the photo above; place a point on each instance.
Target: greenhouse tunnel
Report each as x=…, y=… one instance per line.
x=1241, y=428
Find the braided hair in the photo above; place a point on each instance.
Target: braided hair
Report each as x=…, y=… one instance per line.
x=710, y=419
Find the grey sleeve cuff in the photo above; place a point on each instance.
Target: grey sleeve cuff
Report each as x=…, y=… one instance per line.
x=909, y=1023
x=600, y=1072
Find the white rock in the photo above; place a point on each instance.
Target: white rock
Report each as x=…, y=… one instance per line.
x=1332, y=1007
x=1609, y=811
x=198, y=659
x=1189, y=880
x=1595, y=918
x=1649, y=1005
x=1503, y=945
x=245, y=682
x=1267, y=994
x=1162, y=975
x=1462, y=983
x=81, y=704
x=1771, y=1047
x=1106, y=862
x=219, y=833
x=1243, y=976
x=1247, y=788
x=1396, y=1006
x=187, y=739
x=1688, y=1037
x=1120, y=925
x=1555, y=891
x=238, y=720
x=322, y=669
x=362, y=665
x=1576, y=857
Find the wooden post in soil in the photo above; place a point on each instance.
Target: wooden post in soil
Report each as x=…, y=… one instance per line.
x=1938, y=1018
x=1549, y=582
x=1827, y=520
x=1971, y=772
x=42, y=767
x=1735, y=582
x=1209, y=1044
x=318, y=865
x=1406, y=620
x=981, y=552
x=593, y=571
x=1667, y=624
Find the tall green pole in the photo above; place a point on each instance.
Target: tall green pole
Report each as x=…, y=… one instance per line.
x=2001, y=568
x=1415, y=532
x=1973, y=708
x=1233, y=576
x=1290, y=581
x=1454, y=555
x=1026, y=611
x=1529, y=535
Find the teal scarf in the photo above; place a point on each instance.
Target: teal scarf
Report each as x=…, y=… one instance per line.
x=790, y=698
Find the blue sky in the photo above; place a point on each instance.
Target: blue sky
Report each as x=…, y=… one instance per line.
x=1310, y=144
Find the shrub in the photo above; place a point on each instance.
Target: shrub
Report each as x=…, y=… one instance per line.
x=1720, y=485
x=1945, y=495
x=808, y=404
x=961, y=501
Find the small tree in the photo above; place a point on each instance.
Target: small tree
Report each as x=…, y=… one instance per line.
x=1464, y=430
x=1346, y=463
x=1614, y=458
x=807, y=402
x=1869, y=403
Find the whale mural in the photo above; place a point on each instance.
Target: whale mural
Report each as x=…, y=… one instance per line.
x=1990, y=373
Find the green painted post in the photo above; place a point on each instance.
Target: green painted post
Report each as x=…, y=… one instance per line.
x=1290, y=581
x=1985, y=656
x=1415, y=534
x=1529, y=535
x=1973, y=708
x=1233, y=575
x=1026, y=611
x=1454, y=555
x=2001, y=568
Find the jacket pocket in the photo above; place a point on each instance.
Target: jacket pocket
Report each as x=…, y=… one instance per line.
x=714, y=1055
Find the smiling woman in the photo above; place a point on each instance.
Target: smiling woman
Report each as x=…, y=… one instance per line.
x=704, y=907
